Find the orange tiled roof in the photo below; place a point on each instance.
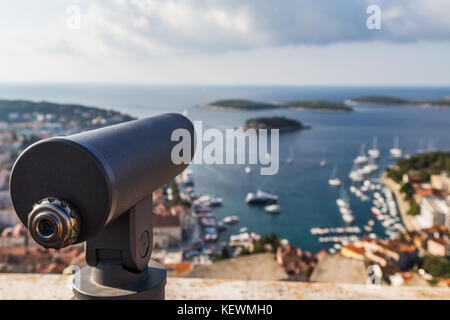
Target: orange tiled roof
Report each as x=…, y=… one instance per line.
x=353, y=248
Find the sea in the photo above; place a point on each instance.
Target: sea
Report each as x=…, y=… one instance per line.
x=305, y=197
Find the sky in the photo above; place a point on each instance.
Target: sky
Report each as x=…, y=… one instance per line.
x=225, y=42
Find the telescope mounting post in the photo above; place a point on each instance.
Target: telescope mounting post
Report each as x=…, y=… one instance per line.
x=118, y=260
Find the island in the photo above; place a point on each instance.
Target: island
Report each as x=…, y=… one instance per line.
x=312, y=105
x=282, y=123
x=389, y=100
x=317, y=105
x=378, y=100
x=239, y=104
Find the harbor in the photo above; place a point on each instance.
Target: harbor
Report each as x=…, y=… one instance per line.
x=363, y=186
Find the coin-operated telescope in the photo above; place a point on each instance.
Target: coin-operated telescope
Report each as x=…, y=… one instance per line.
x=97, y=186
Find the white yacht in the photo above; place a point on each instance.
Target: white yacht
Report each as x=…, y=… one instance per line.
x=334, y=181
x=356, y=175
x=230, y=219
x=323, y=162
x=243, y=230
x=361, y=158
x=396, y=152
x=273, y=208
x=374, y=153
x=261, y=197
x=370, y=167
x=290, y=159
x=344, y=207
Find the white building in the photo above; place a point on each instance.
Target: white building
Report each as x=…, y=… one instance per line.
x=167, y=231
x=440, y=182
x=434, y=210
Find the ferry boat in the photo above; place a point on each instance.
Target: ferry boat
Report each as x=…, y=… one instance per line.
x=261, y=197
x=273, y=208
x=374, y=153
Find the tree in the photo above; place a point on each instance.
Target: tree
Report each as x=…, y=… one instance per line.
x=437, y=267
x=408, y=190
x=414, y=208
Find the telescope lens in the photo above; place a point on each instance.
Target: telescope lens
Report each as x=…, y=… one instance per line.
x=53, y=223
x=46, y=228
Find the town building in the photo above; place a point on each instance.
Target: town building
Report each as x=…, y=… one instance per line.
x=186, y=217
x=440, y=182
x=434, y=210
x=439, y=247
x=167, y=232
x=391, y=255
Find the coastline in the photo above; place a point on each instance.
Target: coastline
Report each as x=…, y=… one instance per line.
x=282, y=130
x=409, y=222
x=406, y=104
x=318, y=110
x=213, y=107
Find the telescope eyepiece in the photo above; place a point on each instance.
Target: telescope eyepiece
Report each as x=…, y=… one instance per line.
x=54, y=223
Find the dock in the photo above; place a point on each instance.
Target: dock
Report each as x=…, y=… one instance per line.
x=409, y=222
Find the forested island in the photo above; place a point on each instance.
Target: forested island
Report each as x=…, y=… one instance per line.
x=312, y=105
x=317, y=105
x=389, y=100
x=282, y=123
x=239, y=104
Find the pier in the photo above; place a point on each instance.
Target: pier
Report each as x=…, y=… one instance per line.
x=409, y=222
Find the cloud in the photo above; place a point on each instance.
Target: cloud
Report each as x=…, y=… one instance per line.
x=176, y=27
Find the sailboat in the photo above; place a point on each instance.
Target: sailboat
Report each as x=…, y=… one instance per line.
x=374, y=153
x=361, y=158
x=356, y=174
x=323, y=162
x=290, y=159
x=344, y=207
x=370, y=167
x=396, y=152
x=334, y=181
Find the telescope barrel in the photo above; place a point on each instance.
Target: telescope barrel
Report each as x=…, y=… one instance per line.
x=100, y=173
